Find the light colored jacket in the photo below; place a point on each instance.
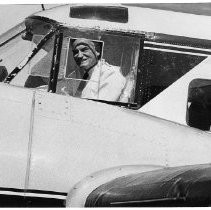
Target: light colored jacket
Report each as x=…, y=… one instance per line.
x=106, y=83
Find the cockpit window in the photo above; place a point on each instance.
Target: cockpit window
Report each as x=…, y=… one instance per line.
x=37, y=70
x=17, y=43
x=101, y=69
x=36, y=73
x=13, y=48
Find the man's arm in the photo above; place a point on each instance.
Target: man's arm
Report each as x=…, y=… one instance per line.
x=112, y=87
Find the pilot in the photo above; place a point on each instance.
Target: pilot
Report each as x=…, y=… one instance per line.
x=100, y=80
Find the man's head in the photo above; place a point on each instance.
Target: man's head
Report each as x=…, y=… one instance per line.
x=84, y=53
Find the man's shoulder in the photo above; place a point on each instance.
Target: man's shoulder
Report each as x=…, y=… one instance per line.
x=111, y=71
x=107, y=66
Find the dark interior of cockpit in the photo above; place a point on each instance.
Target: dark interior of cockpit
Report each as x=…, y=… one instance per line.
x=160, y=69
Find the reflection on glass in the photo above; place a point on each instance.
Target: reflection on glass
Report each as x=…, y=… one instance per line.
x=13, y=50
x=36, y=73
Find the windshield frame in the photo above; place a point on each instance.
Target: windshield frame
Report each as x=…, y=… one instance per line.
x=137, y=97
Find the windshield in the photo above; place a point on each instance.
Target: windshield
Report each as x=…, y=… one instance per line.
x=13, y=48
x=18, y=43
x=36, y=73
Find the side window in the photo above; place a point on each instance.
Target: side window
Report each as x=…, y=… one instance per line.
x=102, y=69
x=199, y=104
x=159, y=69
x=36, y=73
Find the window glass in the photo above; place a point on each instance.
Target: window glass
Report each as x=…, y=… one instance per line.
x=159, y=69
x=36, y=73
x=199, y=104
x=111, y=74
x=13, y=49
x=19, y=41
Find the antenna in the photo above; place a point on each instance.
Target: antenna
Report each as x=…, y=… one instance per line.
x=43, y=8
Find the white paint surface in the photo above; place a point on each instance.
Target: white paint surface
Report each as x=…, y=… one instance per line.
x=15, y=112
x=13, y=14
x=73, y=138
x=142, y=19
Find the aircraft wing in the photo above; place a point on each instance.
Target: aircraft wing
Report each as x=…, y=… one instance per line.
x=175, y=186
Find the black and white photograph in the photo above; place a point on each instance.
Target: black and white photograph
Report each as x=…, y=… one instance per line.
x=105, y=104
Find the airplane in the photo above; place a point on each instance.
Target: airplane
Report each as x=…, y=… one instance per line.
x=151, y=147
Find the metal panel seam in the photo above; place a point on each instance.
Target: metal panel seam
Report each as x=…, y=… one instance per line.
x=30, y=144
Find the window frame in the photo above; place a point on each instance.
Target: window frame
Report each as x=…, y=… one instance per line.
x=136, y=105
x=54, y=72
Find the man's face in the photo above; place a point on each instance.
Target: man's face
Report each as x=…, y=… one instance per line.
x=84, y=57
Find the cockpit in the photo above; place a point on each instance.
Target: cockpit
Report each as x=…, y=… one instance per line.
x=51, y=65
